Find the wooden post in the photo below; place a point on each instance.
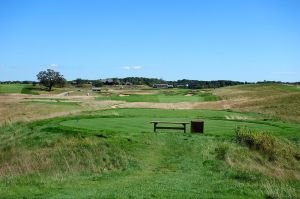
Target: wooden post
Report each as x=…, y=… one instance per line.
x=197, y=126
x=184, y=125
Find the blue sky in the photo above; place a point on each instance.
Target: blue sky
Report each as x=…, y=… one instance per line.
x=245, y=40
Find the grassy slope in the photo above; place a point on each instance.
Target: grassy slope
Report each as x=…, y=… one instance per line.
x=277, y=100
x=115, y=154
x=32, y=110
x=16, y=88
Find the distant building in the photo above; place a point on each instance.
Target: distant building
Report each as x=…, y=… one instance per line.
x=128, y=83
x=107, y=81
x=162, y=86
x=96, y=89
x=111, y=81
x=182, y=85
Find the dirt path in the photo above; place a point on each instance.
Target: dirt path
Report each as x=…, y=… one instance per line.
x=65, y=93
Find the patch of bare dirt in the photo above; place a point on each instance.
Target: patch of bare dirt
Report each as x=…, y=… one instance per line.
x=65, y=93
x=180, y=105
x=237, y=117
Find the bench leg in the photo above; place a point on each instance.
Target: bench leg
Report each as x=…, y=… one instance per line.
x=184, y=125
x=155, y=127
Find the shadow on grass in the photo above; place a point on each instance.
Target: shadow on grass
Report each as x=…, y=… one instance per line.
x=30, y=90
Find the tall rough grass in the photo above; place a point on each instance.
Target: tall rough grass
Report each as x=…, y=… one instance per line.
x=268, y=154
x=279, y=101
x=66, y=155
x=274, y=148
x=27, y=149
x=260, y=141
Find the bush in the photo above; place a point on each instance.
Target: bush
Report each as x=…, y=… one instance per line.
x=265, y=143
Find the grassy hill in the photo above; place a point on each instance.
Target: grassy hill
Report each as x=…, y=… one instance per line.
x=277, y=100
x=17, y=88
x=115, y=154
x=250, y=149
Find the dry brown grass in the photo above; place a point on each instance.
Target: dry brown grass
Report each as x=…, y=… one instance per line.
x=278, y=101
x=17, y=107
x=263, y=153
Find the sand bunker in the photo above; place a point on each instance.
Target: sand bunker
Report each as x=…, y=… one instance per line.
x=237, y=117
x=115, y=106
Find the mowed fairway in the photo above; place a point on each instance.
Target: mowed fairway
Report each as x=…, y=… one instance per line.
x=217, y=123
x=165, y=96
x=115, y=154
x=16, y=88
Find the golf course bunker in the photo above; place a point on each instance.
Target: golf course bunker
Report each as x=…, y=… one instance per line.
x=123, y=95
x=131, y=121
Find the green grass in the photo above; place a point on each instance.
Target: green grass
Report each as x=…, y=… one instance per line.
x=115, y=154
x=17, y=88
x=213, y=127
x=163, y=97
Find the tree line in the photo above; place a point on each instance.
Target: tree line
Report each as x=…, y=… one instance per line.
x=50, y=78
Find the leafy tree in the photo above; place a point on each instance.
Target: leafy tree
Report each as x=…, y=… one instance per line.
x=79, y=82
x=97, y=83
x=50, y=78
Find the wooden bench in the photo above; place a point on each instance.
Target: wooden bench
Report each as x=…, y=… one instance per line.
x=183, y=127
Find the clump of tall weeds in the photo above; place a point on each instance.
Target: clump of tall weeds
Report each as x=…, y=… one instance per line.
x=263, y=152
x=268, y=145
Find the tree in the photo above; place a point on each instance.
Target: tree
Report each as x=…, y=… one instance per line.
x=97, y=83
x=50, y=78
x=79, y=82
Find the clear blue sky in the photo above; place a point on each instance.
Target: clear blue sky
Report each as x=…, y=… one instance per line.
x=246, y=40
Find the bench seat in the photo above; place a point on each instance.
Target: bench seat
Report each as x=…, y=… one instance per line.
x=169, y=127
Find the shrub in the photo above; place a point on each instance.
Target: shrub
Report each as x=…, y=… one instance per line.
x=265, y=143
